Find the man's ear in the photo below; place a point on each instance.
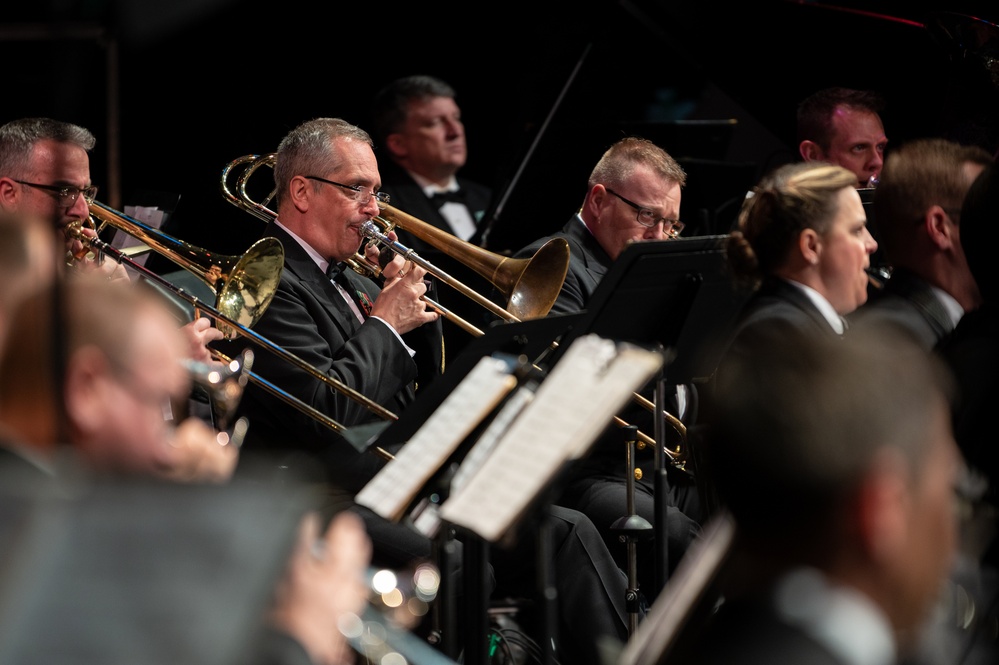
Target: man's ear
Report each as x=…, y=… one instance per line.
x=810, y=151
x=299, y=191
x=595, y=200
x=882, y=505
x=9, y=193
x=87, y=372
x=396, y=144
x=940, y=227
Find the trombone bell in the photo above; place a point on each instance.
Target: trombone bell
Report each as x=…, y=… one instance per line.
x=243, y=285
x=530, y=285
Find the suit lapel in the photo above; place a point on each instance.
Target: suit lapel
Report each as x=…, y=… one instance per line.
x=298, y=261
x=595, y=260
x=795, y=296
x=919, y=293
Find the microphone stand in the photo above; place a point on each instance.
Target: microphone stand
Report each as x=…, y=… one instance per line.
x=481, y=238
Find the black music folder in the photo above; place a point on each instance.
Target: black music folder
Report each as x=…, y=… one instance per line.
x=528, y=339
x=677, y=293
x=116, y=572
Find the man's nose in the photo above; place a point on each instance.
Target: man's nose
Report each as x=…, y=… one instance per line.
x=80, y=209
x=655, y=232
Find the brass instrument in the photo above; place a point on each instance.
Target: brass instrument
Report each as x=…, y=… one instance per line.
x=369, y=230
x=243, y=285
x=224, y=318
x=225, y=384
x=530, y=285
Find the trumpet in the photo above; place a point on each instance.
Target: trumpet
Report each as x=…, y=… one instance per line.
x=225, y=384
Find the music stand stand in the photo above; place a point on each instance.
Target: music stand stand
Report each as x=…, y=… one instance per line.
x=529, y=339
x=524, y=338
x=677, y=293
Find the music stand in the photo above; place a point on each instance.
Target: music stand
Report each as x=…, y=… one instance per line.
x=529, y=339
x=677, y=293
x=123, y=571
x=524, y=338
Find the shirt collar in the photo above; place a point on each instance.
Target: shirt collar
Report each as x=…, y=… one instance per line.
x=950, y=304
x=430, y=188
x=844, y=620
x=321, y=261
x=828, y=312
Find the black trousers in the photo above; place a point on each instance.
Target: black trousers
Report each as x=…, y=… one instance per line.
x=590, y=587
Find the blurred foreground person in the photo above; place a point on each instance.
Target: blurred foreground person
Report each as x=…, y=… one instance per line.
x=94, y=366
x=87, y=378
x=836, y=459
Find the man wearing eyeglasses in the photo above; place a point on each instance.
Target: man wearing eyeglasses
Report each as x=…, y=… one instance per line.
x=633, y=195
x=45, y=171
x=371, y=337
x=45, y=174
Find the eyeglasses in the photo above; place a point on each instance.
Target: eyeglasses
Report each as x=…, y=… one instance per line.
x=648, y=219
x=65, y=194
x=358, y=194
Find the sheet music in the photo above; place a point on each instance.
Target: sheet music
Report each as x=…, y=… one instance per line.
x=587, y=387
x=428, y=520
x=395, y=486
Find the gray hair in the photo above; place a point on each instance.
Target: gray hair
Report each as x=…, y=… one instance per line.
x=308, y=149
x=18, y=139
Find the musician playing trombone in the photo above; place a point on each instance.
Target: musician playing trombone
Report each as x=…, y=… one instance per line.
x=373, y=338
x=633, y=195
x=45, y=173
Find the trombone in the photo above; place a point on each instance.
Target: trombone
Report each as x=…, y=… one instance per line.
x=531, y=285
x=369, y=230
x=243, y=285
x=234, y=293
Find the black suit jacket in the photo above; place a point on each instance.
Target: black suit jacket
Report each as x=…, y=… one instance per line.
x=749, y=632
x=909, y=302
x=408, y=196
x=588, y=263
x=309, y=318
x=777, y=309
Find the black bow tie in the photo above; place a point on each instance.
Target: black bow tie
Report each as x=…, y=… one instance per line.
x=440, y=198
x=334, y=269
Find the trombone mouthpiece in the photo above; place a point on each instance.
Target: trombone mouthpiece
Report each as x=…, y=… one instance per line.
x=369, y=230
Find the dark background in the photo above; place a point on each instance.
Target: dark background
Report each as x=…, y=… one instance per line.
x=174, y=91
